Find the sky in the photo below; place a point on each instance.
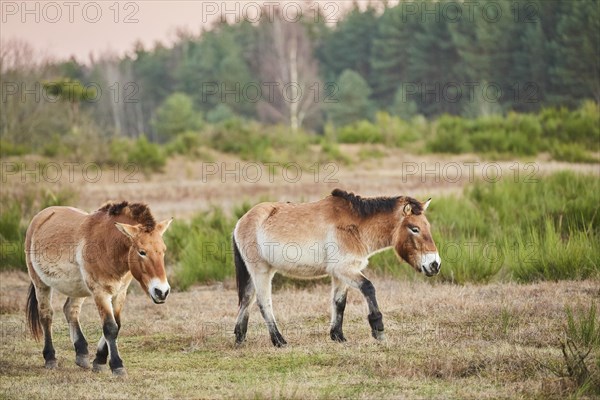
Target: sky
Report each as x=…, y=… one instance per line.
x=64, y=28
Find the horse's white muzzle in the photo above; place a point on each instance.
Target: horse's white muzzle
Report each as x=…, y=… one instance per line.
x=158, y=290
x=431, y=263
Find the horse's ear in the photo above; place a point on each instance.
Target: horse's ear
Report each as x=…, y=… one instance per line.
x=407, y=209
x=131, y=231
x=162, y=226
x=426, y=204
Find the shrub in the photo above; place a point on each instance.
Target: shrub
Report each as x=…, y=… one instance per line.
x=451, y=136
x=571, y=152
x=147, y=156
x=251, y=141
x=17, y=211
x=8, y=149
x=201, y=250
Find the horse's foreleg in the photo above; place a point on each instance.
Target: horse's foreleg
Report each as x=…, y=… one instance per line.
x=72, y=309
x=44, y=298
x=241, y=324
x=375, y=317
x=110, y=330
x=360, y=282
x=339, y=293
x=262, y=283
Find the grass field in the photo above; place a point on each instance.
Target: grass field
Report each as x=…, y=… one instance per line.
x=443, y=341
x=471, y=332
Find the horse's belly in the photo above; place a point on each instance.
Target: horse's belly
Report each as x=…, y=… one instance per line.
x=295, y=260
x=62, y=275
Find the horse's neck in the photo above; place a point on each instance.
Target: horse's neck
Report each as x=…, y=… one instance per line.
x=377, y=232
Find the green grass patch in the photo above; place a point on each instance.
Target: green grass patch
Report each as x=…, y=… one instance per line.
x=566, y=134
x=16, y=211
x=524, y=231
x=548, y=230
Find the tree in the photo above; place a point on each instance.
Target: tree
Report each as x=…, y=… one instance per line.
x=213, y=69
x=434, y=67
x=353, y=100
x=577, y=71
x=404, y=106
x=349, y=44
x=288, y=65
x=176, y=115
x=389, y=57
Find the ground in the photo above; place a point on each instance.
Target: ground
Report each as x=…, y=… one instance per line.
x=187, y=186
x=443, y=341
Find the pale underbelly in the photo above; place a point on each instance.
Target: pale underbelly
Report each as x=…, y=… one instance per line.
x=64, y=276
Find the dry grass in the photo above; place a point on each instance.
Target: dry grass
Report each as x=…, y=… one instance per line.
x=443, y=341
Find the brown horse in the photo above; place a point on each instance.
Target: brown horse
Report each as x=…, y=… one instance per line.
x=96, y=255
x=334, y=236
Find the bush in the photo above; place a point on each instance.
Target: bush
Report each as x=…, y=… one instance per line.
x=201, y=250
x=251, y=141
x=521, y=134
x=387, y=129
x=147, y=156
x=451, y=136
x=571, y=152
x=8, y=149
x=17, y=211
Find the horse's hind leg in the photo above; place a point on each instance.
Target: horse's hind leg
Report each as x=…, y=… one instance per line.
x=44, y=298
x=339, y=294
x=72, y=309
x=262, y=282
x=241, y=323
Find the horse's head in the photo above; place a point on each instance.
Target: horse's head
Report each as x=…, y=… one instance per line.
x=147, y=258
x=413, y=241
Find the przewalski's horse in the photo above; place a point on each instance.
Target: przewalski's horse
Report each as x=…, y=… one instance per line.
x=96, y=255
x=334, y=236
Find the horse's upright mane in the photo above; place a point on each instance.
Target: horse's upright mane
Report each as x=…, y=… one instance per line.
x=365, y=207
x=138, y=212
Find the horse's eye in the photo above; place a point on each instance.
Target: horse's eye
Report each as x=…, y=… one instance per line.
x=414, y=229
x=142, y=253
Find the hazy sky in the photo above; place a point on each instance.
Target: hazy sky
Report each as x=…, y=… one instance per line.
x=59, y=29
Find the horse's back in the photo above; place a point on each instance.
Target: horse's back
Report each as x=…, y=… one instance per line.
x=293, y=221
x=53, y=245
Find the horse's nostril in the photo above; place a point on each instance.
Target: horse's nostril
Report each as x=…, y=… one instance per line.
x=435, y=266
x=159, y=293
x=167, y=293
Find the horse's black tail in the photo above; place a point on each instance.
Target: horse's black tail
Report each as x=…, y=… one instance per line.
x=242, y=276
x=33, y=315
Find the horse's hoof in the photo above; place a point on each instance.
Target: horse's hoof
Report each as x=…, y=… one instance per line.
x=278, y=340
x=98, y=367
x=337, y=337
x=83, y=361
x=119, y=372
x=379, y=335
x=51, y=364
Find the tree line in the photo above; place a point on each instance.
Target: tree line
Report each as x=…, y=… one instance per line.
x=413, y=58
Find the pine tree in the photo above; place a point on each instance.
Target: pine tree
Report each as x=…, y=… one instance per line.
x=352, y=100
x=577, y=71
x=390, y=58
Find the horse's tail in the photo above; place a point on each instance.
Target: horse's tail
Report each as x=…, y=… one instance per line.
x=33, y=315
x=242, y=276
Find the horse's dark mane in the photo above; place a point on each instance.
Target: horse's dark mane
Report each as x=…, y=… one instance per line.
x=139, y=212
x=366, y=207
